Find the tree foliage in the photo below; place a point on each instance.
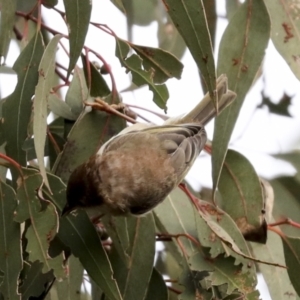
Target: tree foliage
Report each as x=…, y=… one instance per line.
x=211, y=251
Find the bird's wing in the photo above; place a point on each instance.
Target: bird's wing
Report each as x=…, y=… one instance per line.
x=183, y=143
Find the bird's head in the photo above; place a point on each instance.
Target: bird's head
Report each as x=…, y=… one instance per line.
x=81, y=190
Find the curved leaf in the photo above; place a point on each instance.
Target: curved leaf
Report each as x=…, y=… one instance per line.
x=157, y=287
x=42, y=92
x=287, y=205
x=139, y=76
x=79, y=234
x=138, y=235
x=90, y=131
x=242, y=49
x=285, y=31
x=190, y=19
x=60, y=108
x=17, y=106
x=10, y=250
x=277, y=279
x=77, y=92
x=35, y=281
x=291, y=246
x=78, y=13
x=8, y=8
x=242, y=196
x=164, y=64
x=98, y=86
x=43, y=224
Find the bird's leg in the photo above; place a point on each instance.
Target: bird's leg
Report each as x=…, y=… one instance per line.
x=115, y=109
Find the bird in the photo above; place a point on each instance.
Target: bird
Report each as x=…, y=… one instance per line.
x=138, y=168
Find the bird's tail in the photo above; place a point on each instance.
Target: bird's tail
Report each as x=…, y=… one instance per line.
x=206, y=109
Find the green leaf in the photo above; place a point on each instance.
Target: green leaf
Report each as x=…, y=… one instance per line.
x=77, y=92
x=60, y=108
x=78, y=15
x=287, y=205
x=17, y=106
x=223, y=271
x=291, y=246
x=219, y=232
x=190, y=19
x=164, y=64
x=169, y=38
x=70, y=288
x=134, y=278
x=242, y=196
x=241, y=52
x=35, y=281
x=285, y=31
x=140, y=76
x=95, y=81
x=157, y=287
x=10, y=250
x=294, y=158
x=49, y=3
x=43, y=224
x=139, y=12
x=79, y=234
x=42, y=92
x=277, y=279
x=8, y=8
x=90, y=131
x=175, y=215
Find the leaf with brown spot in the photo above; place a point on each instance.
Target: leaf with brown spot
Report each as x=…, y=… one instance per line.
x=43, y=224
x=242, y=196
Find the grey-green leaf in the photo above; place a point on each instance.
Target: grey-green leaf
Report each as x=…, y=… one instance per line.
x=163, y=63
x=291, y=246
x=140, y=76
x=285, y=31
x=190, y=19
x=241, y=52
x=79, y=234
x=42, y=92
x=242, y=196
x=78, y=15
x=10, y=241
x=17, y=106
x=97, y=85
x=8, y=8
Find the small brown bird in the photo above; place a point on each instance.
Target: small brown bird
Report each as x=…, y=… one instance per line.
x=136, y=170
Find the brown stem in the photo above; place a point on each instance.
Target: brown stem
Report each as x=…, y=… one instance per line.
x=174, y=290
x=286, y=221
x=13, y=163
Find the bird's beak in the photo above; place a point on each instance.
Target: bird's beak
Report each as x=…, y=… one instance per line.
x=67, y=209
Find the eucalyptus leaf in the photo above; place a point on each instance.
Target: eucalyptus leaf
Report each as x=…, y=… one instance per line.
x=10, y=251
x=140, y=77
x=191, y=22
x=78, y=17
x=95, y=81
x=8, y=9
x=285, y=31
x=42, y=92
x=291, y=246
x=241, y=52
x=242, y=196
x=43, y=224
x=17, y=106
x=79, y=234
